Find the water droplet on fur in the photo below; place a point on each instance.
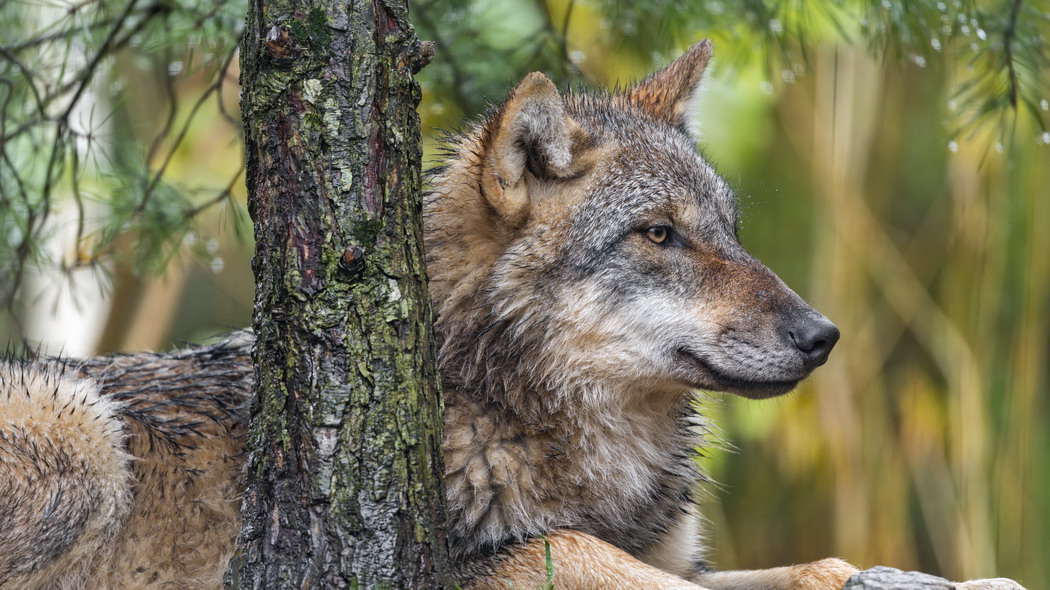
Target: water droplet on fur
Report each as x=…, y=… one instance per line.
x=953, y=147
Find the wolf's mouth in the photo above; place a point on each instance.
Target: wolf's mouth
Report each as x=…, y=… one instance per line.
x=703, y=375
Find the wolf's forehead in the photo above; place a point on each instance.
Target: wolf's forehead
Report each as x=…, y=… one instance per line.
x=654, y=157
x=655, y=171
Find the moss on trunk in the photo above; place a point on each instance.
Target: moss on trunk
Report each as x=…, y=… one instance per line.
x=344, y=468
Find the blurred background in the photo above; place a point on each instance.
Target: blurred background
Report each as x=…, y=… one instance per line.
x=891, y=158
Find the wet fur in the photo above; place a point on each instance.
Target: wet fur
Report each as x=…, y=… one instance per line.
x=122, y=472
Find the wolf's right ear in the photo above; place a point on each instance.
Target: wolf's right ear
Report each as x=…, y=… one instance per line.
x=671, y=93
x=530, y=136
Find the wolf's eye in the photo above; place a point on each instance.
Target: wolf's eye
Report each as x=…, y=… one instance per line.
x=658, y=233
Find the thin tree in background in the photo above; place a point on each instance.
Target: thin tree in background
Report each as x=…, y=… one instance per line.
x=344, y=469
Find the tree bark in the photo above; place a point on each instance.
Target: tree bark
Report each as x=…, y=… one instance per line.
x=343, y=483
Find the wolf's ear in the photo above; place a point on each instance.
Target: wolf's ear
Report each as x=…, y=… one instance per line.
x=530, y=136
x=670, y=94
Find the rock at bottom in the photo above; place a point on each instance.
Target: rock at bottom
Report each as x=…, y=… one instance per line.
x=888, y=578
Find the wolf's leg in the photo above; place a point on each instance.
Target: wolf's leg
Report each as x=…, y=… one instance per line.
x=581, y=562
x=64, y=477
x=679, y=551
x=826, y=574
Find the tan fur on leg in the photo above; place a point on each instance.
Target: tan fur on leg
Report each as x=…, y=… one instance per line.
x=826, y=574
x=581, y=562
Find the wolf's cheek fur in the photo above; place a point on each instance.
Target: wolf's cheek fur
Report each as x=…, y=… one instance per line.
x=652, y=315
x=660, y=341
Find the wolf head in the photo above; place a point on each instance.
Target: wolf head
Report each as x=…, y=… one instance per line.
x=581, y=243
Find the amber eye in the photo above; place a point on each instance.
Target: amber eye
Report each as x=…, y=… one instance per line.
x=658, y=233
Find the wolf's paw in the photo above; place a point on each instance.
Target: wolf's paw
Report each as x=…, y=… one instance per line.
x=990, y=584
x=826, y=574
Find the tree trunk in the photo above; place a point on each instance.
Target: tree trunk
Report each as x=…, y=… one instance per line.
x=344, y=486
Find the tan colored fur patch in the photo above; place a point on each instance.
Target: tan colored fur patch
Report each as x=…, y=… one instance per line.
x=581, y=562
x=64, y=478
x=122, y=473
x=826, y=574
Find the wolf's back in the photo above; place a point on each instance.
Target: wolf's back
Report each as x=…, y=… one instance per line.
x=64, y=475
x=122, y=472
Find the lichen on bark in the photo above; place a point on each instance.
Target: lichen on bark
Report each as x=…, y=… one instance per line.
x=344, y=445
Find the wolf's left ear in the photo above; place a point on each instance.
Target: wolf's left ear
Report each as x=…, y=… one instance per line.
x=670, y=94
x=530, y=139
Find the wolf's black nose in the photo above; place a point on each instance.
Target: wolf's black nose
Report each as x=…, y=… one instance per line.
x=814, y=338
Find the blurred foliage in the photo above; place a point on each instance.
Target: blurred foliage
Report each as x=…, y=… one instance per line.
x=892, y=162
x=97, y=99
x=997, y=49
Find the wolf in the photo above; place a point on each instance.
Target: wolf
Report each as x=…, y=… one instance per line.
x=588, y=279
